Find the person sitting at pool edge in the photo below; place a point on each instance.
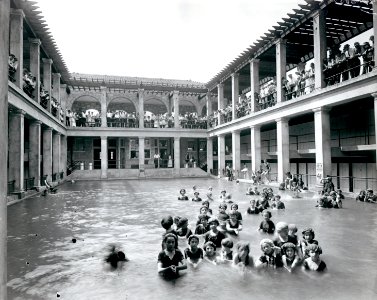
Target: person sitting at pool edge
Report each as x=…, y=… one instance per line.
x=51, y=187
x=171, y=259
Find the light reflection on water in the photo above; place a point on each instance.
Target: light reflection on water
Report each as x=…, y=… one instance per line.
x=42, y=260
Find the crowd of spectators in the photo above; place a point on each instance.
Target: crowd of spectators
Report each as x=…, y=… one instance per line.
x=12, y=67
x=29, y=82
x=83, y=119
x=349, y=62
x=192, y=120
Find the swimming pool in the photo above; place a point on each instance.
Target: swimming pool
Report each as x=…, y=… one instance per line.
x=43, y=260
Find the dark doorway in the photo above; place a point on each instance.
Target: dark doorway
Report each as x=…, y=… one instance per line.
x=112, y=158
x=97, y=158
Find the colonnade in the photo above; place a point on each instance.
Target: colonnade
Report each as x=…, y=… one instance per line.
x=47, y=153
x=322, y=146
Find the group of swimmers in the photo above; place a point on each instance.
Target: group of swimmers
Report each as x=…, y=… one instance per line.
x=367, y=196
x=331, y=199
x=283, y=250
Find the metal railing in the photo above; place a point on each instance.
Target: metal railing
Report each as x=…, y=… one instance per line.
x=29, y=183
x=354, y=184
x=11, y=186
x=123, y=122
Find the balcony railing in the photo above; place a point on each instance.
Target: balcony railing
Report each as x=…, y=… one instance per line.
x=28, y=183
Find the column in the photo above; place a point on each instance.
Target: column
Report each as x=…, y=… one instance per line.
x=254, y=82
x=35, y=151
x=56, y=94
x=63, y=99
x=256, y=156
x=220, y=99
x=16, y=148
x=17, y=42
x=35, y=65
x=47, y=153
x=320, y=47
x=177, y=153
x=374, y=4
x=4, y=56
x=281, y=63
x=103, y=157
x=374, y=95
x=209, y=155
x=47, y=63
x=282, y=131
x=235, y=93
x=221, y=154
x=63, y=155
x=176, y=108
x=322, y=143
x=140, y=95
x=209, y=104
x=236, y=150
x=56, y=154
x=141, y=156
x=103, y=113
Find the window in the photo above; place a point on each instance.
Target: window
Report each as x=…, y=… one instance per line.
x=134, y=154
x=147, y=153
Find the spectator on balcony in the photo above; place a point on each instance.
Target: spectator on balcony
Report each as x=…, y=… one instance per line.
x=309, y=79
x=368, y=58
x=291, y=87
x=12, y=66
x=344, y=62
x=355, y=59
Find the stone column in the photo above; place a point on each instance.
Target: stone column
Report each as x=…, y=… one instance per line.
x=176, y=109
x=56, y=93
x=209, y=104
x=221, y=154
x=35, y=151
x=374, y=95
x=103, y=157
x=281, y=63
x=254, y=82
x=256, y=156
x=177, y=153
x=282, y=131
x=220, y=99
x=320, y=47
x=16, y=148
x=56, y=154
x=47, y=64
x=63, y=155
x=209, y=155
x=322, y=143
x=17, y=42
x=141, y=156
x=63, y=99
x=236, y=150
x=374, y=4
x=141, y=107
x=47, y=153
x=4, y=56
x=35, y=65
x=235, y=93
x=103, y=113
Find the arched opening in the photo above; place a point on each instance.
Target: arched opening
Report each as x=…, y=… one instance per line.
x=156, y=114
x=121, y=112
x=85, y=112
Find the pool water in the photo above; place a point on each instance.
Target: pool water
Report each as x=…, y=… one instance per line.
x=44, y=263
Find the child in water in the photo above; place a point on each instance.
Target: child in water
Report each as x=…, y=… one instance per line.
x=171, y=259
x=206, y=203
x=314, y=262
x=242, y=258
x=252, y=209
x=222, y=216
x=234, y=208
x=214, y=235
x=277, y=204
x=290, y=258
x=308, y=239
x=209, y=194
x=210, y=252
x=196, y=197
x=225, y=197
x=271, y=256
x=203, y=225
x=267, y=226
x=292, y=230
x=183, y=230
x=233, y=225
x=226, y=253
x=167, y=223
x=193, y=253
x=182, y=196
x=282, y=235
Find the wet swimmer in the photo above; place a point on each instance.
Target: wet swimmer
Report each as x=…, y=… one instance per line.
x=314, y=262
x=209, y=194
x=225, y=197
x=170, y=260
x=182, y=196
x=116, y=257
x=193, y=253
x=196, y=197
x=233, y=224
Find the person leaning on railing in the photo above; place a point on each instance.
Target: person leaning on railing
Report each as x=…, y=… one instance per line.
x=368, y=58
x=12, y=66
